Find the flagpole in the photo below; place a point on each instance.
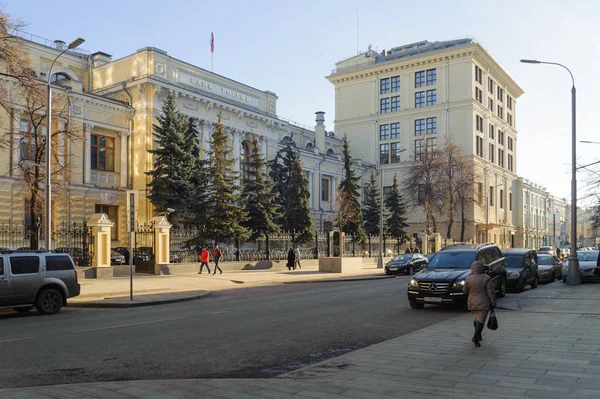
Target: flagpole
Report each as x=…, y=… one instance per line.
x=212, y=56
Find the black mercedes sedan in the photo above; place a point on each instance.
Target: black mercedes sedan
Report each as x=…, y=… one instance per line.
x=406, y=263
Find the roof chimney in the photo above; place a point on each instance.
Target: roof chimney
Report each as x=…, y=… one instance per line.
x=59, y=45
x=99, y=58
x=320, y=131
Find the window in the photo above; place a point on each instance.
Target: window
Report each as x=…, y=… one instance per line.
x=500, y=112
x=431, y=97
x=325, y=189
x=509, y=102
x=510, y=201
x=431, y=125
x=491, y=195
x=56, y=263
x=491, y=105
x=387, y=190
x=491, y=153
x=395, y=153
x=395, y=103
x=501, y=199
x=419, y=127
x=420, y=195
x=492, y=131
x=102, y=153
x=500, y=157
x=327, y=226
x=384, y=86
x=431, y=77
x=246, y=151
x=31, y=142
x=479, y=146
x=385, y=105
x=479, y=95
x=480, y=193
x=420, y=79
x=419, y=149
x=500, y=94
x=490, y=85
x=510, y=162
x=478, y=74
x=510, y=143
x=500, y=137
x=431, y=143
x=61, y=79
x=24, y=264
x=479, y=123
x=419, y=99
x=113, y=214
x=509, y=119
x=395, y=132
x=395, y=84
x=384, y=132
x=384, y=153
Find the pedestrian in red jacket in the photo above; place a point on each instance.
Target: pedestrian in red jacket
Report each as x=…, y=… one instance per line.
x=204, y=260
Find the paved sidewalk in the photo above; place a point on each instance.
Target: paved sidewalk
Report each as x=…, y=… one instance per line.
x=546, y=353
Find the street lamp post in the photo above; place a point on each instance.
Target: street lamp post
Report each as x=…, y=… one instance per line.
x=48, y=231
x=381, y=170
x=573, y=276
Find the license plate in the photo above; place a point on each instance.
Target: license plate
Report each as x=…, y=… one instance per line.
x=433, y=299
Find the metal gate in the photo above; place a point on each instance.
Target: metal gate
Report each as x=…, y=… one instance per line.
x=143, y=249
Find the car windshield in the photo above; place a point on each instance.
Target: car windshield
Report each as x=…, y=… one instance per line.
x=587, y=256
x=544, y=260
x=514, y=261
x=452, y=260
x=403, y=258
x=545, y=249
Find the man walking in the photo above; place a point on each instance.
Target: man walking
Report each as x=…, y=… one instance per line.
x=216, y=256
x=297, y=255
x=204, y=255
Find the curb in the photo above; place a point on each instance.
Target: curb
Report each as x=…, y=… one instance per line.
x=339, y=280
x=115, y=305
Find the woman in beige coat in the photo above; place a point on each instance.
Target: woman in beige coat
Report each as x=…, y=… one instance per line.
x=481, y=297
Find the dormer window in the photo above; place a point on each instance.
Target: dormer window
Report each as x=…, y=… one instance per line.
x=61, y=79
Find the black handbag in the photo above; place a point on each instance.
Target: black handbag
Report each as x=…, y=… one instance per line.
x=492, y=323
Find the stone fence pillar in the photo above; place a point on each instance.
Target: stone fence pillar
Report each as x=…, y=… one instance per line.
x=162, y=250
x=102, y=236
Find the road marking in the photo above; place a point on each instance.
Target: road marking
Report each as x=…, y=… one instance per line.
x=364, y=292
x=221, y=311
x=16, y=339
x=128, y=325
x=387, y=294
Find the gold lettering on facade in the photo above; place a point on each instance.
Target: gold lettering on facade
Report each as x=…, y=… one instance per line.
x=201, y=83
x=232, y=93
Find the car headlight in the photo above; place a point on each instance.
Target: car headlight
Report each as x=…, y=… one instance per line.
x=458, y=284
x=514, y=275
x=413, y=283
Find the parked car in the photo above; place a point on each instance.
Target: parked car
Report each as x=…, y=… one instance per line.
x=546, y=250
x=588, y=268
x=430, y=256
x=521, y=267
x=143, y=253
x=117, y=258
x=175, y=256
x=549, y=268
x=77, y=254
x=43, y=280
x=123, y=251
x=442, y=280
x=405, y=263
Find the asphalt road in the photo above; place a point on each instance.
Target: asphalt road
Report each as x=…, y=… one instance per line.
x=258, y=332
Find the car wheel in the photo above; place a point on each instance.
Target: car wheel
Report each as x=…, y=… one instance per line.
x=502, y=290
x=49, y=301
x=23, y=309
x=534, y=283
x=410, y=271
x=416, y=305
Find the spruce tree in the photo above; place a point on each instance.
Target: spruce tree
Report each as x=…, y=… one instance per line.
x=225, y=215
x=257, y=198
x=281, y=174
x=372, y=207
x=296, y=216
x=396, y=222
x=172, y=160
x=196, y=199
x=350, y=218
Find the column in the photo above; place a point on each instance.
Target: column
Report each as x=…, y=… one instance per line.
x=16, y=140
x=235, y=143
x=162, y=230
x=311, y=202
x=204, y=138
x=124, y=158
x=333, y=192
x=87, y=151
x=316, y=194
x=61, y=142
x=102, y=226
x=263, y=145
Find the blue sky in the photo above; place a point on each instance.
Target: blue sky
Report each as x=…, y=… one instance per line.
x=289, y=46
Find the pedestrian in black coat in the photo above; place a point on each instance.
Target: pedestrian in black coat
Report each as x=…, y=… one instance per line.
x=291, y=259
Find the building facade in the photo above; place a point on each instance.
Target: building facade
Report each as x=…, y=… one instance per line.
x=115, y=103
x=393, y=104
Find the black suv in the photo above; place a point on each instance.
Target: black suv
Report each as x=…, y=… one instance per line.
x=442, y=280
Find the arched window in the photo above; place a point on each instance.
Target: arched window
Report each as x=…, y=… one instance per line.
x=61, y=79
x=310, y=146
x=331, y=152
x=246, y=151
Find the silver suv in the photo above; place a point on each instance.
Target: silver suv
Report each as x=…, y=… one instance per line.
x=43, y=280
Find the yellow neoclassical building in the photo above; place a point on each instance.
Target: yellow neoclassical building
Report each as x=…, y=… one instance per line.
x=394, y=103
x=112, y=105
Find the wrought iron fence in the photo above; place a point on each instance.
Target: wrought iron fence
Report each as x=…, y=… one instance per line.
x=13, y=237
x=77, y=240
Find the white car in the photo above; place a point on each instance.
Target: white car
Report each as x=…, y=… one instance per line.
x=587, y=266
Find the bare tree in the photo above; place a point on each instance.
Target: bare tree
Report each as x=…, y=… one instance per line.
x=423, y=184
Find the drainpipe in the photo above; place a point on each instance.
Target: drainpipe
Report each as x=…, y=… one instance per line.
x=447, y=97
